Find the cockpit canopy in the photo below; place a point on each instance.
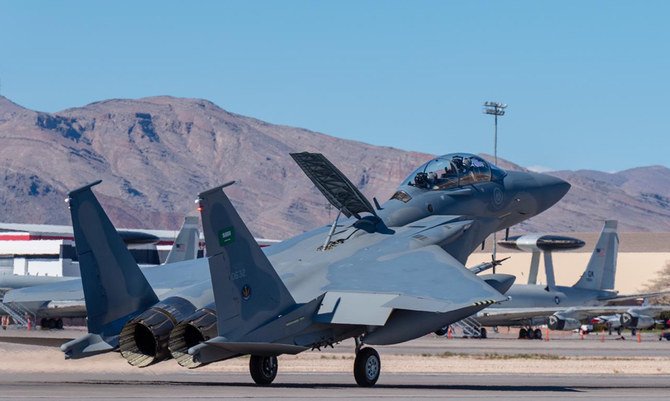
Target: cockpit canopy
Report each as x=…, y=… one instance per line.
x=453, y=170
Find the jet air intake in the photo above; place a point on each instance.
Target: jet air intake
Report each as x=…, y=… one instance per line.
x=198, y=327
x=558, y=322
x=144, y=339
x=632, y=320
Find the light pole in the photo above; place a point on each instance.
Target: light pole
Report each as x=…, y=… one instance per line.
x=496, y=109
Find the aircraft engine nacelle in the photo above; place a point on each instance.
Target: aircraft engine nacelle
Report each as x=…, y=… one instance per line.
x=196, y=328
x=144, y=339
x=632, y=320
x=558, y=322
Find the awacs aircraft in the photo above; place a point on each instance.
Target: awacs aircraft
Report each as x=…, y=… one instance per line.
x=52, y=302
x=563, y=307
x=382, y=276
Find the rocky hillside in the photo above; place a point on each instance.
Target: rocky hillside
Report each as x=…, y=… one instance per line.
x=155, y=154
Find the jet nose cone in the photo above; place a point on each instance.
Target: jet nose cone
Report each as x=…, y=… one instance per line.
x=550, y=190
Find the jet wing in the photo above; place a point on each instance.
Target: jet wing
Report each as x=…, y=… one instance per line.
x=524, y=314
x=334, y=185
x=164, y=279
x=638, y=296
x=427, y=279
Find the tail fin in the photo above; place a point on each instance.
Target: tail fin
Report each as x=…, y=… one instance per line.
x=185, y=246
x=601, y=270
x=115, y=289
x=247, y=289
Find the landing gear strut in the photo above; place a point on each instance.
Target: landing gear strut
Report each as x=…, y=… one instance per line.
x=263, y=369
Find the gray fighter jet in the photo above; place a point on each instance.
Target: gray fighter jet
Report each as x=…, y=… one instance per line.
x=382, y=276
x=49, y=301
x=564, y=307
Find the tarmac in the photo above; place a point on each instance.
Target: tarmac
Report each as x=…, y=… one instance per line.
x=502, y=367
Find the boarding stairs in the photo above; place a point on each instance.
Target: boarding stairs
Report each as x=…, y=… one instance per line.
x=470, y=327
x=17, y=312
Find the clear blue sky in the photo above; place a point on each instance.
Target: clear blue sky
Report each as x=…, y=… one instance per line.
x=587, y=83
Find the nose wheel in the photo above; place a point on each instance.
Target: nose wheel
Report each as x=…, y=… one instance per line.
x=263, y=369
x=367, y=367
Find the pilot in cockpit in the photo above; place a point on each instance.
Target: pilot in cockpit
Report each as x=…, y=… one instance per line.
x=467, y=165
x=449, y=171
x=457, y=162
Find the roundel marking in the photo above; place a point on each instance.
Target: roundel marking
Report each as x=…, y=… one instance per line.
x=497, y=196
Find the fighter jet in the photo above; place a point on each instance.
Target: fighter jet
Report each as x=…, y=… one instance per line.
x=563, y=307
x=63, y=297
x=382, y=276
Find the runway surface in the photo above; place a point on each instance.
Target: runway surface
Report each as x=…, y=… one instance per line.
x=32, y=368
x=340, y=386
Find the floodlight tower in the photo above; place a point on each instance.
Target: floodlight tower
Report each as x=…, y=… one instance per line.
x=496, y=109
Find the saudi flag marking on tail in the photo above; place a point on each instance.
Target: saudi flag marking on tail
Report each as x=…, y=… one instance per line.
x=226, y=236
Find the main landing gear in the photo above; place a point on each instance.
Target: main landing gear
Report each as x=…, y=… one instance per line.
x=263, y=369
x=51, y=324
x=367, y=365
x=530, y=334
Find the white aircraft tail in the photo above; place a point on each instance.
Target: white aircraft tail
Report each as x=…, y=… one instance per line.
x=601, y=270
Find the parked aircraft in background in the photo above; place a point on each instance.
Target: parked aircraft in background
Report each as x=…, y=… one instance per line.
x=390, y=275
x=50, y=299
x=564, y=307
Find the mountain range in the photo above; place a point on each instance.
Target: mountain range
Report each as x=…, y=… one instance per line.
x=156, y=154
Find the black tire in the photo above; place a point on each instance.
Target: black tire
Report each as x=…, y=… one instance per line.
x=530, y=334
x=482, y=333
x=59, y=324
x=537, y=334
x=367, y=367
x=263, y=369
x=633, y=332
x=43, y=323
x=442, y=331
x=522, y=333
x=51, y=324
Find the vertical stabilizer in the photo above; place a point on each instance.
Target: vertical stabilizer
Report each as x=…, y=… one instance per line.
x=114, y=287
x=601, y=270
x=185, y=246
x=247, y=289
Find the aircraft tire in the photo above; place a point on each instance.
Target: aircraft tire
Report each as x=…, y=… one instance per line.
x=367, y=367
x=442, y=331
x=59, y=324
x=522, y=333
x=43, y=323
x=263, y=369
x=633, y=332
x=482, y=333
x=537, y=334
